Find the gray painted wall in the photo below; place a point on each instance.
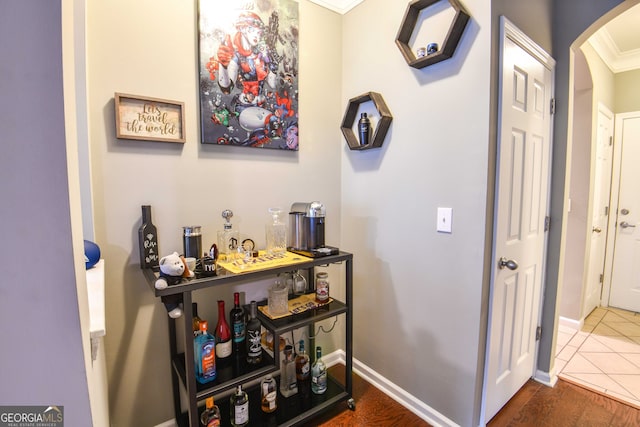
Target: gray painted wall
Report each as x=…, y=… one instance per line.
x=41, y=358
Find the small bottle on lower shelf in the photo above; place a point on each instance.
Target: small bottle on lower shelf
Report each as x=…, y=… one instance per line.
x=239, y=408
x=319, y=374
x=288, y=381
x=211, y=415
x=269, y=391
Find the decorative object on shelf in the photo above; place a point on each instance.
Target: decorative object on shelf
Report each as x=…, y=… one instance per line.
x=149, y=119
x=380, y=129
x=451, y=39
x=148, y=240
x=249, y=73
x=364, y=129
x=173, y=269
x=276, y=232
x=296, y=306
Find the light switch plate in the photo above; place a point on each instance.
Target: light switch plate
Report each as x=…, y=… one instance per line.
x=444, y=220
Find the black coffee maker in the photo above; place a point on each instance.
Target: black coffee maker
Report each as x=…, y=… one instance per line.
x=306, y=230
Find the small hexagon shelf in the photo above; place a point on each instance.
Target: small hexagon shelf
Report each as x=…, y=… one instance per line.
x=381, y=128
x=450, y=42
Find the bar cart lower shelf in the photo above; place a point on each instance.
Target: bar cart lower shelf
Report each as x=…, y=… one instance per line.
x=292, y=411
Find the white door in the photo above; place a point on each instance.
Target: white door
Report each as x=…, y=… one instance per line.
x=522, y=189
x=625, y=281
x=599, y=210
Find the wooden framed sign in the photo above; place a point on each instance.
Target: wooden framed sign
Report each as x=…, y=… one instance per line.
x=150, y=119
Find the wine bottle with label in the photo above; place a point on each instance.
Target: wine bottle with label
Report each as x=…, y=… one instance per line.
x=223, y=334
x=238, y=326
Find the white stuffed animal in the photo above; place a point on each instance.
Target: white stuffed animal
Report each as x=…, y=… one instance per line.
x=173, y=269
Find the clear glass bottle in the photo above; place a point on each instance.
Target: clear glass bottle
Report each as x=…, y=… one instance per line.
x=276, y=233
x=322, y=287
x=269, y=394
x=205, y=355
x=254, y=329
x=239, y=406
x=288, y=382
x=238, y=325
x=196, y=319
x=228, y=237
x=223, y=333
x=148, y=240
x=302, y=363
x=211, y=415
x=319, y=374
x=299, y=283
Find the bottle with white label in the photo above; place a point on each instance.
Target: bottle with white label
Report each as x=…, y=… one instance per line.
x=223, y=334
x=239, y=408
x=269, y=394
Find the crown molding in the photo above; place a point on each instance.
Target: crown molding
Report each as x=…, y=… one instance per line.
x=617, y=61
x=339, y=6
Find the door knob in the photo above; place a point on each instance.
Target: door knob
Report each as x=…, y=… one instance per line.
x=596, y=229
x=509, y=263
x=625, y=224
x=624, y=212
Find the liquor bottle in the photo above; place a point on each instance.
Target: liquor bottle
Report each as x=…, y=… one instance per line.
x=364, y=129
x=196, y=320
x=302, y=364
x=239, y=408
x=238, y=326
x=288, y=383
x=205, y=355
x=276, y=233
x=254, y=347
x=228, y=237
x=223, y=333
x=211, y=415
x=148, y=240
x=269, y=394
x=319, y=374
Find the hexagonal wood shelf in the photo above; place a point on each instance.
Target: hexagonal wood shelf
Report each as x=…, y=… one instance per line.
x=450, y=42
x=381, y=128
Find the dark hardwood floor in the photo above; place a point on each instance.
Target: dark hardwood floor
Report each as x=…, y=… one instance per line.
x=565, y=405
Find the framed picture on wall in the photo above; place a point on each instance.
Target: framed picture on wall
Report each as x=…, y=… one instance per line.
x=248, y=68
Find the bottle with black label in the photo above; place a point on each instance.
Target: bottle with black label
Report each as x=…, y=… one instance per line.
x=148, y=240
x=238, y=326
x=254, y=328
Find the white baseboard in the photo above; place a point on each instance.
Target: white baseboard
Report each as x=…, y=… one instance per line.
x=401, y=396
x=547, y=378
x=571, y=323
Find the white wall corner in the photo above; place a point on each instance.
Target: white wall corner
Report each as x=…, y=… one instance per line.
x=547, y=378
x=340, y=6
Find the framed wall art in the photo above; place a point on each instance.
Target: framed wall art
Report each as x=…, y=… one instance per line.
x=150, y=119
x=248, y=68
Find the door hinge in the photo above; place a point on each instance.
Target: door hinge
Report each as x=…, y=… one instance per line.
x=552, y=107
x=547, y=223
x=606, y=210
x=610, y=140
x=538, y=333
x=601, y=278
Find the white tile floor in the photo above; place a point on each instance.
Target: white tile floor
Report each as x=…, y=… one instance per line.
x=604, y=355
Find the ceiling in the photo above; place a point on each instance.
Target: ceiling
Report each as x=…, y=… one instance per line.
x=618, y=42
x=340, y=6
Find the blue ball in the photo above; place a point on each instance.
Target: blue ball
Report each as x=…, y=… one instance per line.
x=91, y=254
